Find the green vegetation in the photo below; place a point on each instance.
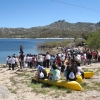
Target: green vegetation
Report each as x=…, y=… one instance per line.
x=69, y=91
x=85, y=69
x=37, y=88
x=97, y=72
x=98, y=84
x=23, y=74
x=62, y=43
x=93, y=40
x=14, y=82
x=45, y=89
x=12, y=90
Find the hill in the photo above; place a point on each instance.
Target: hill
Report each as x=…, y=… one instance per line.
x=57, y=29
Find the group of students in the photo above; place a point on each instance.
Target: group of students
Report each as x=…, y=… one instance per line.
x=68, y=55
x=29, y=60
x=69, y=71
x=12, y=61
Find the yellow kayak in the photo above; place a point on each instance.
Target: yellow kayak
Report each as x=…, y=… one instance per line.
x=79, y=78
x=62, y=83
x=88, y=74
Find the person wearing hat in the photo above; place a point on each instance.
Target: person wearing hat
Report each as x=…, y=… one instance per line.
x=42, y=74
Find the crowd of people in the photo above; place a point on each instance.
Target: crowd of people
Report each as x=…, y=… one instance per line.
x=67, y=63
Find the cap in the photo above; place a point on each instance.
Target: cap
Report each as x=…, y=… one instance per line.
x=40, y=67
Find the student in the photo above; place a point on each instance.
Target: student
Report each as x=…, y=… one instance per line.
x=21, y=60
x=13, y=62
x=9, y=60
x=42, y=74
x=21, y=48
x=48, y=57
x=62, y=68
x=16, y=61
x=55, y=73
x=79, y=70
x=52, y=59
x=59, y=66
x=71, y=75
x=66, y=70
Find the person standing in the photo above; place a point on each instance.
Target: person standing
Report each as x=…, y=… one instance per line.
x=48, y=57
x=21, y=60
x=9, y=61
x=13, y=62
x=89, y=57
x=21, y=48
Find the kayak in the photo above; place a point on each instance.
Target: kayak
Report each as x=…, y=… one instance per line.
x=62, y=83
x=88, y=74
x=79, y=78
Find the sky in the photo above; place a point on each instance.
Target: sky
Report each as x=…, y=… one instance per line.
x=34, y=13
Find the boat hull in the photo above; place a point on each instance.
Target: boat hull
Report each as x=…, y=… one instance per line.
x=62, y=83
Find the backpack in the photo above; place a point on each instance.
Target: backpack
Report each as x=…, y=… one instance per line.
x=57, y=77
x=71, y=75
x=41, y=75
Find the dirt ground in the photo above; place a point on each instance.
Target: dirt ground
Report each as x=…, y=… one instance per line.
x=16, y=85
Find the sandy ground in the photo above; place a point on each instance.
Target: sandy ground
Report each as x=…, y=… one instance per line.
x=13, y=87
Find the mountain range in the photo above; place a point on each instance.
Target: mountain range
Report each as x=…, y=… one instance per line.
x=58, y=29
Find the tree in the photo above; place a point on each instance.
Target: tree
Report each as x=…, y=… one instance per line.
x=93, y=40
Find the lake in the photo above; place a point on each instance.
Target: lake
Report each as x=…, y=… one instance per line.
x=11, y=46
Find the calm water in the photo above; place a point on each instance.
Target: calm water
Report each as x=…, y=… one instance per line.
x=11, y=46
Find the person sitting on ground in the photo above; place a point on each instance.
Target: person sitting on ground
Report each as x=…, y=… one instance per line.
x=55, y=72
x=71, y=75
x=42, y=74
x=59, y=66
x=79, y=70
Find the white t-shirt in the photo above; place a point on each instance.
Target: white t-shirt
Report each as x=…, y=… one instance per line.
x=13, y=60
x=84, y=55
x=9, y=60
x=78, y=57
x=48, y=56
x=40, y=58
x=16, y=59
x=79, y=70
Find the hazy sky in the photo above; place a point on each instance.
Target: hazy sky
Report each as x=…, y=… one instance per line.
x=32, y=13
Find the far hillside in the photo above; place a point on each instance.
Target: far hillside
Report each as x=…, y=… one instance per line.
x=58, y=29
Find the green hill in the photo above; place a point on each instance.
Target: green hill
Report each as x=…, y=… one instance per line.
x=57, y=29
